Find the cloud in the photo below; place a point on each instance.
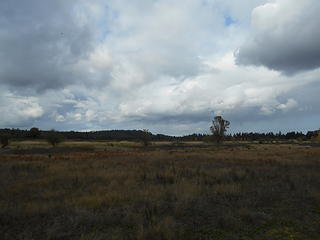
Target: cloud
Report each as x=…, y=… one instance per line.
x=290, y=104
x=40, y=41
x=60, y=118
x=166, y=40
x=17, y=111
x=286, y=37
x=221, y=90
x=77, y=116
x=162, y=65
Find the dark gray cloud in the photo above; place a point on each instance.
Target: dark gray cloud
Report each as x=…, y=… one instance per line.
x=40, y=41
x=286, y=37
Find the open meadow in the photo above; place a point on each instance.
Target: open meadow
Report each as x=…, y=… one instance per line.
x=120, y=190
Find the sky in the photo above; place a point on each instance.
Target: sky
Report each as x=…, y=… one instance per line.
x=163, y=65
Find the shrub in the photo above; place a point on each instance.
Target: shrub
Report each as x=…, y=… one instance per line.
x=208, y=138
x=54, y=138
x=34, y=132
x=316, y=137
x=4, y=141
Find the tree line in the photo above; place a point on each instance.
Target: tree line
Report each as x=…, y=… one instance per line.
x=136, y=135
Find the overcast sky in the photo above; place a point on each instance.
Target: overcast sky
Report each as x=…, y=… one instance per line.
x=168, y=66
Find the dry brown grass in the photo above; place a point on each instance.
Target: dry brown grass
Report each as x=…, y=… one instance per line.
x=265, y=192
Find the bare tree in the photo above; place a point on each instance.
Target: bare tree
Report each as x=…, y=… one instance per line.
x=219, y=128
x=146, y=137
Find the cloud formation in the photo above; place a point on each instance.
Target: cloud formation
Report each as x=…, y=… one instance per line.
x=40, y=41
x=17, y=110
x=286, y=37
x=162, y=65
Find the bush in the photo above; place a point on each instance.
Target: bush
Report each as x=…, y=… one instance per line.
x=34, y=132
x=316, y=138
x=208, y=139
x=54, y=138
x=4, y=141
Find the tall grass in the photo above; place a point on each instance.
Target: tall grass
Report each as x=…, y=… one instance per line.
x=265, y=192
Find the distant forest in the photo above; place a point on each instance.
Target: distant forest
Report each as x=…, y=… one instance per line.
x=136, y=135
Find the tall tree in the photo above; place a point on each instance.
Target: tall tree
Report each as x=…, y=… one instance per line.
x=146, y=136
x=219, y=128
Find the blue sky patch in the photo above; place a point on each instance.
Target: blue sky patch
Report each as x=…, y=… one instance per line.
x=229, y=21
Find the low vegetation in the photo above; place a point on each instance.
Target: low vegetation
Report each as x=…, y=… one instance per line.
x=54, y=138
x=261, y=191
x=34, y=132
x=4, y=140
x=137, y=135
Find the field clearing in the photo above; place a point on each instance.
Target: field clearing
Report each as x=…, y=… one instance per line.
x=75, y=143
x=41, y=145
x=119, y=190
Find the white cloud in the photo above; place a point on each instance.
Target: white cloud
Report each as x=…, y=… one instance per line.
x=60, y=118
x=286, y=36
x=90, y=115
x=18, y=110
x=289, y=105
x=77, y=116
x=227, y=87
x=32, y=110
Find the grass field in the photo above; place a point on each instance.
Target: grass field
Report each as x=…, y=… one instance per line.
x=123, y=191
